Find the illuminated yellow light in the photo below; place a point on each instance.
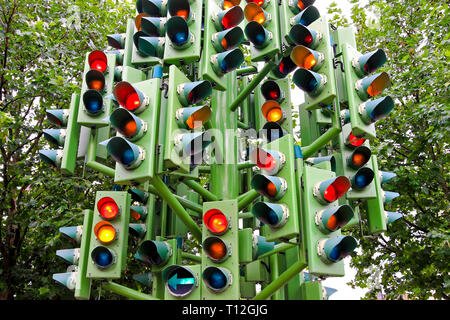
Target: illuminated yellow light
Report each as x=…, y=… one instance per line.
x=274, y=115
x=105, y=232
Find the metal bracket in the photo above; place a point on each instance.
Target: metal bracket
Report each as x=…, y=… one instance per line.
x=337, y=62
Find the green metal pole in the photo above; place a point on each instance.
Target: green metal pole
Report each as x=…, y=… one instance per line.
x=127, y=292
x=191, y=257
x=252, y=85
x=91, y=155
x=164, y=192
x=245, y=199
x=318, y=144
x=279, y=282
x=245, y=165
x=190, y=204
x=209, y=196
x=247, y=70
x=278, y=248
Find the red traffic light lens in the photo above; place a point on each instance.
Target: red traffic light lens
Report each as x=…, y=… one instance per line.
x=108, y=208
x=216, y=221
x=265, y=160
x=337, y=189
x=97, y=60
x=355, y=141
x=132, y=101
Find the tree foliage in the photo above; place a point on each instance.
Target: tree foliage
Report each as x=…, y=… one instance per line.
x=43, y=46
x=412, y=257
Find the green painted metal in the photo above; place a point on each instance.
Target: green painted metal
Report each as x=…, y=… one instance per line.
x=68, y=161
x=126, y=292
x=119, y=245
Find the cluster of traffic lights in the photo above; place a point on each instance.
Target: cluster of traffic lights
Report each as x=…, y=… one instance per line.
x=106, y=234
x=217, y=250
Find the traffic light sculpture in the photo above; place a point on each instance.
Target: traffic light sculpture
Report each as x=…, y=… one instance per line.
x=220, y=261
x=276, y=183
x=221, y=53
x=67, y=137
x=98, y=80
x=109, y=235
x=263, y=29
x=323, y=218
x=315, y=75
x=184, y=120
x=136, y=124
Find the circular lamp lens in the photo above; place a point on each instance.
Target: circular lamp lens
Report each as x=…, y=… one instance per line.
x=105, y=232
x=108, y=208
x=216, y=221
x=102, y=257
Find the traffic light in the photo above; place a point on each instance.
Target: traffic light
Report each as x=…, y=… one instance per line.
x=361, y=85
x=277, y=184
x=263, y=29
x=157, y=253
x=274, y=100
x=323, y=218
x=294, y=16
x=284, y=67
x=315, y=75
x=136, y=122
x=67, y=137
x=355, y=163
x=98, y=81
x=75, y=279
x=222, y=37
x=109, y=235
x=220, y=243
x=184, y=119
x=182, y=282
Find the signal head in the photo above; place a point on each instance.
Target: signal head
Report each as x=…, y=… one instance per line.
x=334, y=218
x=271, y=187
x=374, y=110
x=180, y=8
x=95, y=80
x=372, y=86
x=103, y=257
x=271, y=91
x=177, y=30
x=227, y=39
x=127, y=124
x=272, y=111
x=216, y=279
x=193, y=92
x=227, y=61
x=108, y=208
x=270, y=161
x=272, y=214
x=362, y=178
x=370, y=62
x=105, y=232
x=335, y=249
x=126, y=153
x=359, y=157
x=98, y=60
x=180, y=281
x=254, y=12
x=216, y=221
x=331, y=190
x=309, y=81
x=304, y=36
x=129, y=97
x=229, y=18
x=306, y=17
x=193, y=117
x=216, y=249
x=307, y=58
x=285, y=67
x=154, y=252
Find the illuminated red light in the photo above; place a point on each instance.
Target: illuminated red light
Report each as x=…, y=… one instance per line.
x=132, y=101
x=308, y=40
x=99, y=65
x=183, y=13
x=337, y=189
x=355, y=141
x=265, y=161
x=107, y=208
x=215, y=221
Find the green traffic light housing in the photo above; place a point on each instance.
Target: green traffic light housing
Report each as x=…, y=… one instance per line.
x=154, y=252
x=154, y=8
x=127, y=124
x=271, y=187
x=227, y=39
x=154, y=26
x=69, y=255
x=152, y=46
x=333, y=218
x=272, y=91
x=139, y=195
x=393, y=216
x=229, y=18
x=216, y=279
x=269, y=161
x=285, y=67
x=193, y=92
x=259, y=36
x=301, y=35
x=309, y=81
x=254, y=12
x=306, y=17
x=189, y=144
x=117, y=40
x=370, y=62
x=51, y=157
x=272, y=214
x=227, y=61
x=374, y=110
x=130, y=97
x=359, y=157
x=193, y=117
x=58, y=117
x=331, y=190
x=138, y=212
x=335, y=249
x=177, y=30
x=307, y=58
x=372, y=86
x=297, y=6
x=272, y=131
x=126, y=153
x=56, y=137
